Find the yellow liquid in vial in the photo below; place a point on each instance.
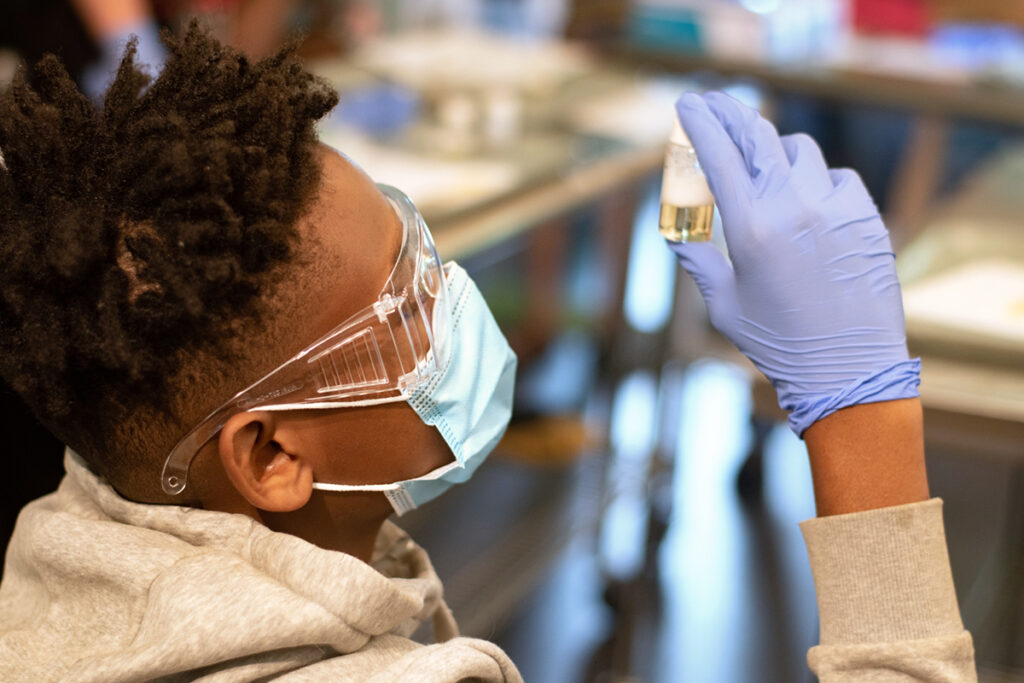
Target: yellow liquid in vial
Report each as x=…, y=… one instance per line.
x=686, y=223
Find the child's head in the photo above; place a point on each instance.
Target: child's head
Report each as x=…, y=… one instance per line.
x=166, y=251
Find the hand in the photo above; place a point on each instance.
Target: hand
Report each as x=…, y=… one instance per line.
x=811, y=295
x=150, y=55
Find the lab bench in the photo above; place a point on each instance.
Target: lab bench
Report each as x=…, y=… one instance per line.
x=964, y=297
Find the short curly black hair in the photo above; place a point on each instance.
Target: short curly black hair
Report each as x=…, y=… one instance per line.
x=137, y=234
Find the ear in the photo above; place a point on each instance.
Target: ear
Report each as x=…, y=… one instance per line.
x=261, y=470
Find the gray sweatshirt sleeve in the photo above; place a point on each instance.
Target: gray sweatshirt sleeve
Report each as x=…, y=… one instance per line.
x=885, y=598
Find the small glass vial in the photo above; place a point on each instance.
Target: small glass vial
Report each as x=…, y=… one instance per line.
x=687, y=205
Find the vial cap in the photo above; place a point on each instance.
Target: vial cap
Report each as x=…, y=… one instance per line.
x=678, y=136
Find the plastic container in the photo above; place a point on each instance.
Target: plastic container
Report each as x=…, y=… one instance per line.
x=687, y=205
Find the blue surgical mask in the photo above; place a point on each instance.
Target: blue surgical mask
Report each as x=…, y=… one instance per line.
x=469, y=402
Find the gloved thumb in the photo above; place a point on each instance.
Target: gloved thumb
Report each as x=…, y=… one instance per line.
x=714, y=277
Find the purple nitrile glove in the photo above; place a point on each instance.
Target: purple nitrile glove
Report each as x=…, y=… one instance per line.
x=811, y=295
x=150, y=55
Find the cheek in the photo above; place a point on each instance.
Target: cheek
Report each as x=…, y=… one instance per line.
x=426, y=451
x=375, y=445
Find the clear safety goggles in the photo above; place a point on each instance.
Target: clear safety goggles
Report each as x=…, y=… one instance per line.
x=379, y=355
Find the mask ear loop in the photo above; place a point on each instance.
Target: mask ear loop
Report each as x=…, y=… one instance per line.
x=395, y=492
x=342, y=488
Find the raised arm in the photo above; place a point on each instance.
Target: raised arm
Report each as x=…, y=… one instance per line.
x=809, y=293
x=868, y=456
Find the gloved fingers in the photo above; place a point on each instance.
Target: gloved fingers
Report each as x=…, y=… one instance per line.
x=714, y=277
x=849, y=192
x=808, y=164
x=842, y=176
x=718, y=155
x=756, y=138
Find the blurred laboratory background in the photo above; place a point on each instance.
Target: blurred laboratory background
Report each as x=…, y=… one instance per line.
x=639, y=521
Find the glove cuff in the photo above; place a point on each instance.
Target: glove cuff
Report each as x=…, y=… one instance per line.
x=897, y=381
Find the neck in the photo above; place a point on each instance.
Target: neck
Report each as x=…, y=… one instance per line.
x=345, y=522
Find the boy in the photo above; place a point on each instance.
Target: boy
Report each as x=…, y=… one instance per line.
x=255, y=357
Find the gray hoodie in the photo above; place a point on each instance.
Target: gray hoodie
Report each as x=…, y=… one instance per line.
x=97, y=588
